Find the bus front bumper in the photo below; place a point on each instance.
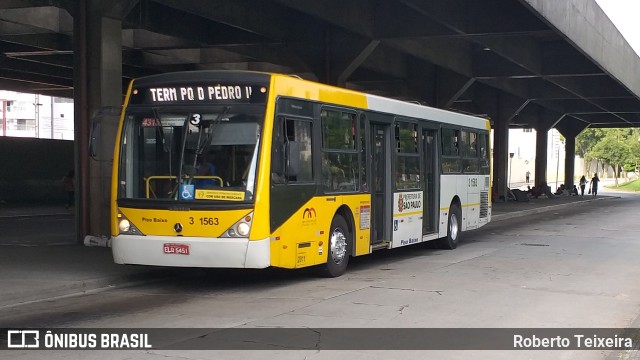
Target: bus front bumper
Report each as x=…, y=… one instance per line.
x=191, y=251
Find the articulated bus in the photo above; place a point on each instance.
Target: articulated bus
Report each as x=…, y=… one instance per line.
x=240, y=169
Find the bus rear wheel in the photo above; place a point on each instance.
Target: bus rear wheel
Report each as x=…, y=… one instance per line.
x=338, y=248
x=454, y=229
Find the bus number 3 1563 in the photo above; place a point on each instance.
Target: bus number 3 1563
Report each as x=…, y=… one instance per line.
x=205, y=221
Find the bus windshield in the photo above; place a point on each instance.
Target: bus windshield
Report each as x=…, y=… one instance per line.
x=190, y=154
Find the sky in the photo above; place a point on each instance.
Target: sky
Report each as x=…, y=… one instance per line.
x=624, y=15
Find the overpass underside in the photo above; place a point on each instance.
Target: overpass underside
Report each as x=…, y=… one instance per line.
x=538, y=64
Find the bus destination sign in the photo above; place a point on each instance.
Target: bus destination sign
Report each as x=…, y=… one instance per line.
x=229, y=93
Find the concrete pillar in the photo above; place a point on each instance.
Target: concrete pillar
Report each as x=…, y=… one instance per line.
x=508, y=107
x=570, y=127
x=569, y=162
x=81, y=119
x=542, y=135
x=546, y=121
x=97, y=84
x=500, y=156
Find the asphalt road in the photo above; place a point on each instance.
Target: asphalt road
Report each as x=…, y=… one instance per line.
x=573, y=268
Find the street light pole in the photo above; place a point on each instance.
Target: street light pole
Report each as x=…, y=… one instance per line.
x=4, y=117
x=37, y=104
x=52, y=118
x=511, y=167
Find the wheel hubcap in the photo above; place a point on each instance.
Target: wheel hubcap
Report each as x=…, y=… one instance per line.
x=453, y=226
x=338, y=245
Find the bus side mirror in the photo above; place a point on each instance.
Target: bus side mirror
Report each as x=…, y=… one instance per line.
x=109, y=115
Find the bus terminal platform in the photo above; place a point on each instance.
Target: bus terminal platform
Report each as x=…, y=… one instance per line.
x=35, y=267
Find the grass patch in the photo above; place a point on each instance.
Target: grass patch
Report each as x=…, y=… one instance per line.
x=630, y=186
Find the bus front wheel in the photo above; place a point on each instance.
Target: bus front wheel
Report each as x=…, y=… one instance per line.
x=337, y=248
x=454, y=229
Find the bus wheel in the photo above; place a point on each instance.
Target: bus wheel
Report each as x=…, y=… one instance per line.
x=454, y=229
x=338, y=248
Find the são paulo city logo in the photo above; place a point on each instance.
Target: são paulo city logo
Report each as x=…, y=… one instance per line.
x=409, y=201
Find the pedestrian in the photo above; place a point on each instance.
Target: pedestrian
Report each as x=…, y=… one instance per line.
x=583, y=184
x=526, y=176
x=69, y=186
x=594, y=185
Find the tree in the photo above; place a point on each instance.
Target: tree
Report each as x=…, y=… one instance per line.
x=586, y=141
x=614, y=149
x=633, y=162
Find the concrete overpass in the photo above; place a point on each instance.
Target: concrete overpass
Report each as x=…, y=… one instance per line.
x=538, y=64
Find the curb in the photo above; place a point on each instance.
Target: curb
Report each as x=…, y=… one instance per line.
x=515, y=214
x=35, y=215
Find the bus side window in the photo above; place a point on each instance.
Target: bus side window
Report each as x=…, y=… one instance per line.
x=291, y=160
x=450, y=139
x=451, y=163
x=277, y=157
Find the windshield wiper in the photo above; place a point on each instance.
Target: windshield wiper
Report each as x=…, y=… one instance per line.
x=166, y=147
x=185, y=133
x=206, y=141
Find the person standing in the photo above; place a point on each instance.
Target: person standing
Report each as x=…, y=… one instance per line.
x=583, y=184
x=594, y=185
x=527, y=175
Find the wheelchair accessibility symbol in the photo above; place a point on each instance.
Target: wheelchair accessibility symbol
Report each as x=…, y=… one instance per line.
x=186, y=192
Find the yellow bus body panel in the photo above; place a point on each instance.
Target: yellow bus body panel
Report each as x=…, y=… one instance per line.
x=303, y=239
x=296, y=88
x=116, y=166
x=202, y=223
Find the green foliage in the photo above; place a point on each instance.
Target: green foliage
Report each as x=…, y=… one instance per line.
x=630, y=186
x=587, y=140
x=619, y=148
x=612, y=149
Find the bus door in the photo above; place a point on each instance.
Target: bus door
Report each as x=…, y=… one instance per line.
x=430, y=175
x=381, y=189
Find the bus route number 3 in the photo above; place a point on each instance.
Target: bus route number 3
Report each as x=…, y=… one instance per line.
x=206, y=221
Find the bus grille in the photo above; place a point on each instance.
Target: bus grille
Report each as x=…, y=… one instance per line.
x=484, y=204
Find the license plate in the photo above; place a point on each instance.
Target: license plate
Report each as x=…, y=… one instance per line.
x=179, y=249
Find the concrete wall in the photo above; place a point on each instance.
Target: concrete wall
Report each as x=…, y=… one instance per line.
x=31, y=170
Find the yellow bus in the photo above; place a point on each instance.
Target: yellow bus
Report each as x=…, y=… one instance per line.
x=240, y=169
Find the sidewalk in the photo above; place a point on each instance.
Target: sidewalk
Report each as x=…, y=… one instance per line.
x=501, y=210
x=34, y=271
x=37, y=267
x=42, y=272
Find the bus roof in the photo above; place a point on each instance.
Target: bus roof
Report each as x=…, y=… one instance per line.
x=348, y=97
x=402, y=108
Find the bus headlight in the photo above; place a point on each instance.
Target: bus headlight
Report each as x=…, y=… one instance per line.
x=124, y=225
x=242, y=228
